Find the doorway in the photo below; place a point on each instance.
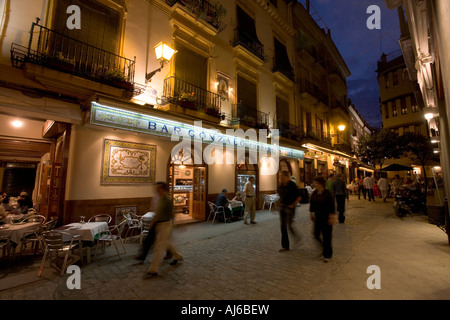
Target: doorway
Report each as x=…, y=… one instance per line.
x=188, y=190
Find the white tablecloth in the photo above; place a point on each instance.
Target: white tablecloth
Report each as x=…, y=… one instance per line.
x=234, y=204
x=16, y=231
x=87, y=230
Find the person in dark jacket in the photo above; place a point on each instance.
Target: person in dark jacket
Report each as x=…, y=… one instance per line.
x=289, y=197
x=340, y=192
x=222, y=201
x=322, y=212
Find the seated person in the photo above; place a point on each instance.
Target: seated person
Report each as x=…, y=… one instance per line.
x=5, y=205
x=3, y=215
x=222, y=201
x=237, y=197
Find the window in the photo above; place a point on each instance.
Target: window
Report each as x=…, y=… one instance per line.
x=394, y=109
x=282, y=110
x=191, y=67
x=281, y=61
x=417, y=129
x=386, y=80
x=246, y=92
x=395, y=78
x=404, y=108
x=100, y=25
x=386, y=111
x=414, y=106
x=245, y=34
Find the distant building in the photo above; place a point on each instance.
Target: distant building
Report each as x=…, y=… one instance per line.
x=401, y=104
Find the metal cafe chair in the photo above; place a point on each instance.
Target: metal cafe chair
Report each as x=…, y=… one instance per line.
x=216, y=210
x=32, y=237
x=56, y=243
x=5, y=247
x=101, y=218
x=112, y=235
x=133, y=224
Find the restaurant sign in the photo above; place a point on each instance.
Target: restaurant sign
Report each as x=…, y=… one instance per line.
x=124, y=119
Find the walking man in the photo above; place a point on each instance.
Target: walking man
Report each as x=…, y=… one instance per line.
x=163, y=230
x=250, y=205
x=340, y=192
x=322, y=212
x=368, y=185
x=289, y=197
x=384, y=186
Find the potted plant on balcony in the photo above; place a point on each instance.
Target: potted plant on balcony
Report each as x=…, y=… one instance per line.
x=60, y=62
x=187, y=100
x=213, y=110
x=117, y=79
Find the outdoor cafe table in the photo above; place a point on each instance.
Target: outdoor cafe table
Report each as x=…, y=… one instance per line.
x=87, y=231
x=236, y=207
x=16, y=232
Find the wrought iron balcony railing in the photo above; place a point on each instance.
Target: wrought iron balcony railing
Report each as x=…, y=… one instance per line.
x=284, y=68
x=192, y=97
x=242, y=114
x=54, y=50
x=288, y=130
x=316, y=134
x=248, y=42
x=201, y=9
x=313, y=90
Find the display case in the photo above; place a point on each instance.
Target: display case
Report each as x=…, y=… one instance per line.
x=181, y=182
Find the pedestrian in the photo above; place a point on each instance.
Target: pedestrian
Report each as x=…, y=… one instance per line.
x=322, y=213
x=340, y=192
x=250, y=206
x=163, y=221
x=384, y=187
x=368, y=185
x=289, y=197
x=329, y=183
x=361, y=188
x=396, y=184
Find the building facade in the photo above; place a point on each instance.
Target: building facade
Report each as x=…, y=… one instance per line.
x=99, y=112
x=425, y=41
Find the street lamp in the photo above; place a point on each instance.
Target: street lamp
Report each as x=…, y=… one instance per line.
x=163, y=53
x=341, y=128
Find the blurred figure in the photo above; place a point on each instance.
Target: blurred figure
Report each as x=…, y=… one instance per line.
x=250, y=205
x=322, y=212
x=368, y=185
x=384, y=187
x=163, y=221
x=289, y=197
x=340, y=192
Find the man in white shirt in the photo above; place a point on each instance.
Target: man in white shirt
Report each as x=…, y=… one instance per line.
x=250, y=204
x=384, y=186
x=368, y=185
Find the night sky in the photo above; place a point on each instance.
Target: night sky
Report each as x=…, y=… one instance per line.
x=361, y=48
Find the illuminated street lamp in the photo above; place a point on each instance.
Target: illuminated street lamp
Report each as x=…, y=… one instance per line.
x=163, y=53
x=341, y=128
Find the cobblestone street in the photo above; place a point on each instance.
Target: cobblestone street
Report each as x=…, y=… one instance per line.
x=241, y=262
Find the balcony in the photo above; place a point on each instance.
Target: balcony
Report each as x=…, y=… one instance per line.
x=289, y=131
x=313, y=91
x=282, y=66
x=316, y=135
x=249, y=117
x=203, y=10
x=189, y=99
x=54, y=50
x=248, y=42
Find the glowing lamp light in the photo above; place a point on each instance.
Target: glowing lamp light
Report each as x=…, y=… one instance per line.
x=17, y=124
x=163, y=51
x=341, y=127
x=429, y=116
